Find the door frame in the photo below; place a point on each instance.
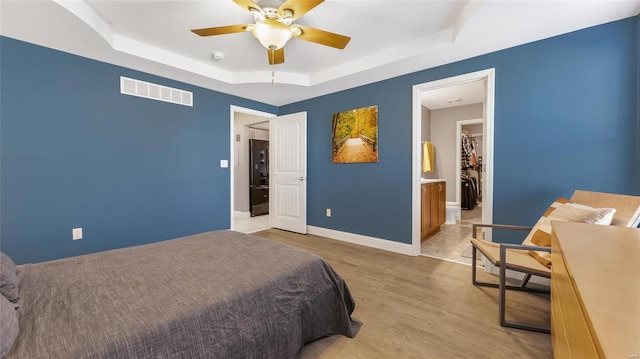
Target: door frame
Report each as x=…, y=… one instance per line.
x=233, y=109
x=459, y=125
x=488, y=76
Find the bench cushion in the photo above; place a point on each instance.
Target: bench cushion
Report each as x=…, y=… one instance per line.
x=565, y=211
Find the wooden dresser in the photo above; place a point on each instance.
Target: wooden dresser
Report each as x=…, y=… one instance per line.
x=595, y=291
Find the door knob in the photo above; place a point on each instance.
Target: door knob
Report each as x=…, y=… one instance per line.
x=300, y=178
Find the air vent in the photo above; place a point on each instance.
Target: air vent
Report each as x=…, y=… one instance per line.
x=155, y=92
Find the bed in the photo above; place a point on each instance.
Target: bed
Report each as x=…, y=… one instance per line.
x=219, y=294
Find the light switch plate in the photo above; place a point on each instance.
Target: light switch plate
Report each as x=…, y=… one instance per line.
x=224, y=163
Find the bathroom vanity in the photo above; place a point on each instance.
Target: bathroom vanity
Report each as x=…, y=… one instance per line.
x=433, y=206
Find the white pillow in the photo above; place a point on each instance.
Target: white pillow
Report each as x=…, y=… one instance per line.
x=564, y=211
x=575, y=212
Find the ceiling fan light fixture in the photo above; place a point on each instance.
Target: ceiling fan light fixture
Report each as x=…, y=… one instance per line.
x=272, y=34
x=273, y=26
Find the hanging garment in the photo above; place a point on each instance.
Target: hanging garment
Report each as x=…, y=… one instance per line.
x=468, y=191
x=473, y=152
x=466, y=149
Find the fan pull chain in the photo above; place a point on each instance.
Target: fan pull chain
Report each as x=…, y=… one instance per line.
x=272, y=60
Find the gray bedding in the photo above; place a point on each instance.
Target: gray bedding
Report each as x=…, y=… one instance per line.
x=219, y=294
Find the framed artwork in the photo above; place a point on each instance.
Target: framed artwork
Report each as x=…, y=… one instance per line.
x=355, y=135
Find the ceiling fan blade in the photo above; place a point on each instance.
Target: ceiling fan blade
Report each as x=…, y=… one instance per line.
x=276, y=56
x=323, y=37
x=298, y=7
x=221, y=30
x=246, y=4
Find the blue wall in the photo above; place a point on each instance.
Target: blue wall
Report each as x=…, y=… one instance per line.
x=77, y=153
x=566, y=117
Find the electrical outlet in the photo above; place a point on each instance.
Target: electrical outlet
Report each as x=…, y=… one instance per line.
x=328, y=212
x=76, y=233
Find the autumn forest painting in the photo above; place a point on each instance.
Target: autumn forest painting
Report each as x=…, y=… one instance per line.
x=355, y=135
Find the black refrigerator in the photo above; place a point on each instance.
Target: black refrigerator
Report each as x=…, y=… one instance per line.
x=259, y=177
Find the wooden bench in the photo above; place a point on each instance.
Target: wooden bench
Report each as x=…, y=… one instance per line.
x=516, y=257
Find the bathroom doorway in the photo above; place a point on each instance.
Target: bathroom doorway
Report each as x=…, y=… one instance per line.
x=439, y=124
x=456, y=130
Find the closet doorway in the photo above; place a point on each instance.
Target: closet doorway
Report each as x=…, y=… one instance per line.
x=469, y=168
x=445, y=147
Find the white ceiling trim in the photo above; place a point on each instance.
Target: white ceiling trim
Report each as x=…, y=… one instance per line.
x=467, y=12
x=388, y=56
x=146, y=51
x=86, y=14
x=109, y=32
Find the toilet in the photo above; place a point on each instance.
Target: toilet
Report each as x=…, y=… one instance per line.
x=452, y=214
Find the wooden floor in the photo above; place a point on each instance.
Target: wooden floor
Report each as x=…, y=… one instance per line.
x=421, y=307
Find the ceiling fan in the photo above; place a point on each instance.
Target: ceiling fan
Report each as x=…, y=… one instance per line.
x=274, y=26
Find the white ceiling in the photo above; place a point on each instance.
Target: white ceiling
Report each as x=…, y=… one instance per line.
x=388, y=38
x=453, y=96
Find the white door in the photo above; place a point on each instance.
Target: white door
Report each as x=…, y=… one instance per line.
x=288, y=172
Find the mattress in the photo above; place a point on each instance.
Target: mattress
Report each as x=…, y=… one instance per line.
x=219, y=294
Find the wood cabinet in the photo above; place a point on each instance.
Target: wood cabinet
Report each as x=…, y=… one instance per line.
x=595, y=291
x=434, y=197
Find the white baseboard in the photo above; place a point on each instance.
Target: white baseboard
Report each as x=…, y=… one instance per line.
x=384, y=244
x=402, y=248
x=239, y=215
